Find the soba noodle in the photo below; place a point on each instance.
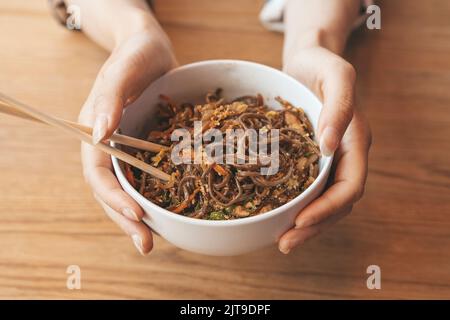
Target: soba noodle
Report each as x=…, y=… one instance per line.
x=223, y=191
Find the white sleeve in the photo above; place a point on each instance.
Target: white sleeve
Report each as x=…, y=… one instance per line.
x=271, y=15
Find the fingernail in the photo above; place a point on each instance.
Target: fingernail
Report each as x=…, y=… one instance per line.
x=329, y=141
x=285, y=247
x=130, y=100
x=100, y=128
x=138, y=243
x=129, y=213
x=302, y=223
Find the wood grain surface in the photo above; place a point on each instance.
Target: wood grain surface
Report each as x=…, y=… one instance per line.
x=49, y=220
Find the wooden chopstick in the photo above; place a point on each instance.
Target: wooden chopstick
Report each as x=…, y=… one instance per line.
x=83, y=136
x=116, y=137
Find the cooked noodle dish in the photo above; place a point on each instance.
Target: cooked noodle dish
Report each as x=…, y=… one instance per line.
x=228, y=159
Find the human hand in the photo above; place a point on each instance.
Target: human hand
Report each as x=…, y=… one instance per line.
x=136, y=60
x=341, y=128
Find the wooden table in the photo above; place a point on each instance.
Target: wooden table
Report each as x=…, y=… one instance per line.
x=49, y=220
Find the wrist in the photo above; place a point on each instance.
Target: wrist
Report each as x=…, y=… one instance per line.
x=332, y=41
x=138, y=21
x=319, y=23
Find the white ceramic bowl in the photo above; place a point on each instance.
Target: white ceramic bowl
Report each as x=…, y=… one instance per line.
x=236, y=78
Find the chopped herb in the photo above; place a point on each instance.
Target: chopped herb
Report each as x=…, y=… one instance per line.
x=216, y=215
x=136, y=172
x=229, y=210
x=166, y=197
x=198, y=206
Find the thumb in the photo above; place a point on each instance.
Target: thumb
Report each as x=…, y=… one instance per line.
x=108, y=108
x=118, y=84
x=123, y=78
x=338, y=97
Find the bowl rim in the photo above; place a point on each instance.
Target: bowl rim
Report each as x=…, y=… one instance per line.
x=242, y=221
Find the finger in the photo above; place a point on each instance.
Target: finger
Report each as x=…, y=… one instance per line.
x=349, y=180
x=296, y=237
x=338, y=95
x=97, y=169
x=138, y=231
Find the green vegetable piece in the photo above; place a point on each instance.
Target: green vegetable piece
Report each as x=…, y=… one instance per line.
x=216, y=215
